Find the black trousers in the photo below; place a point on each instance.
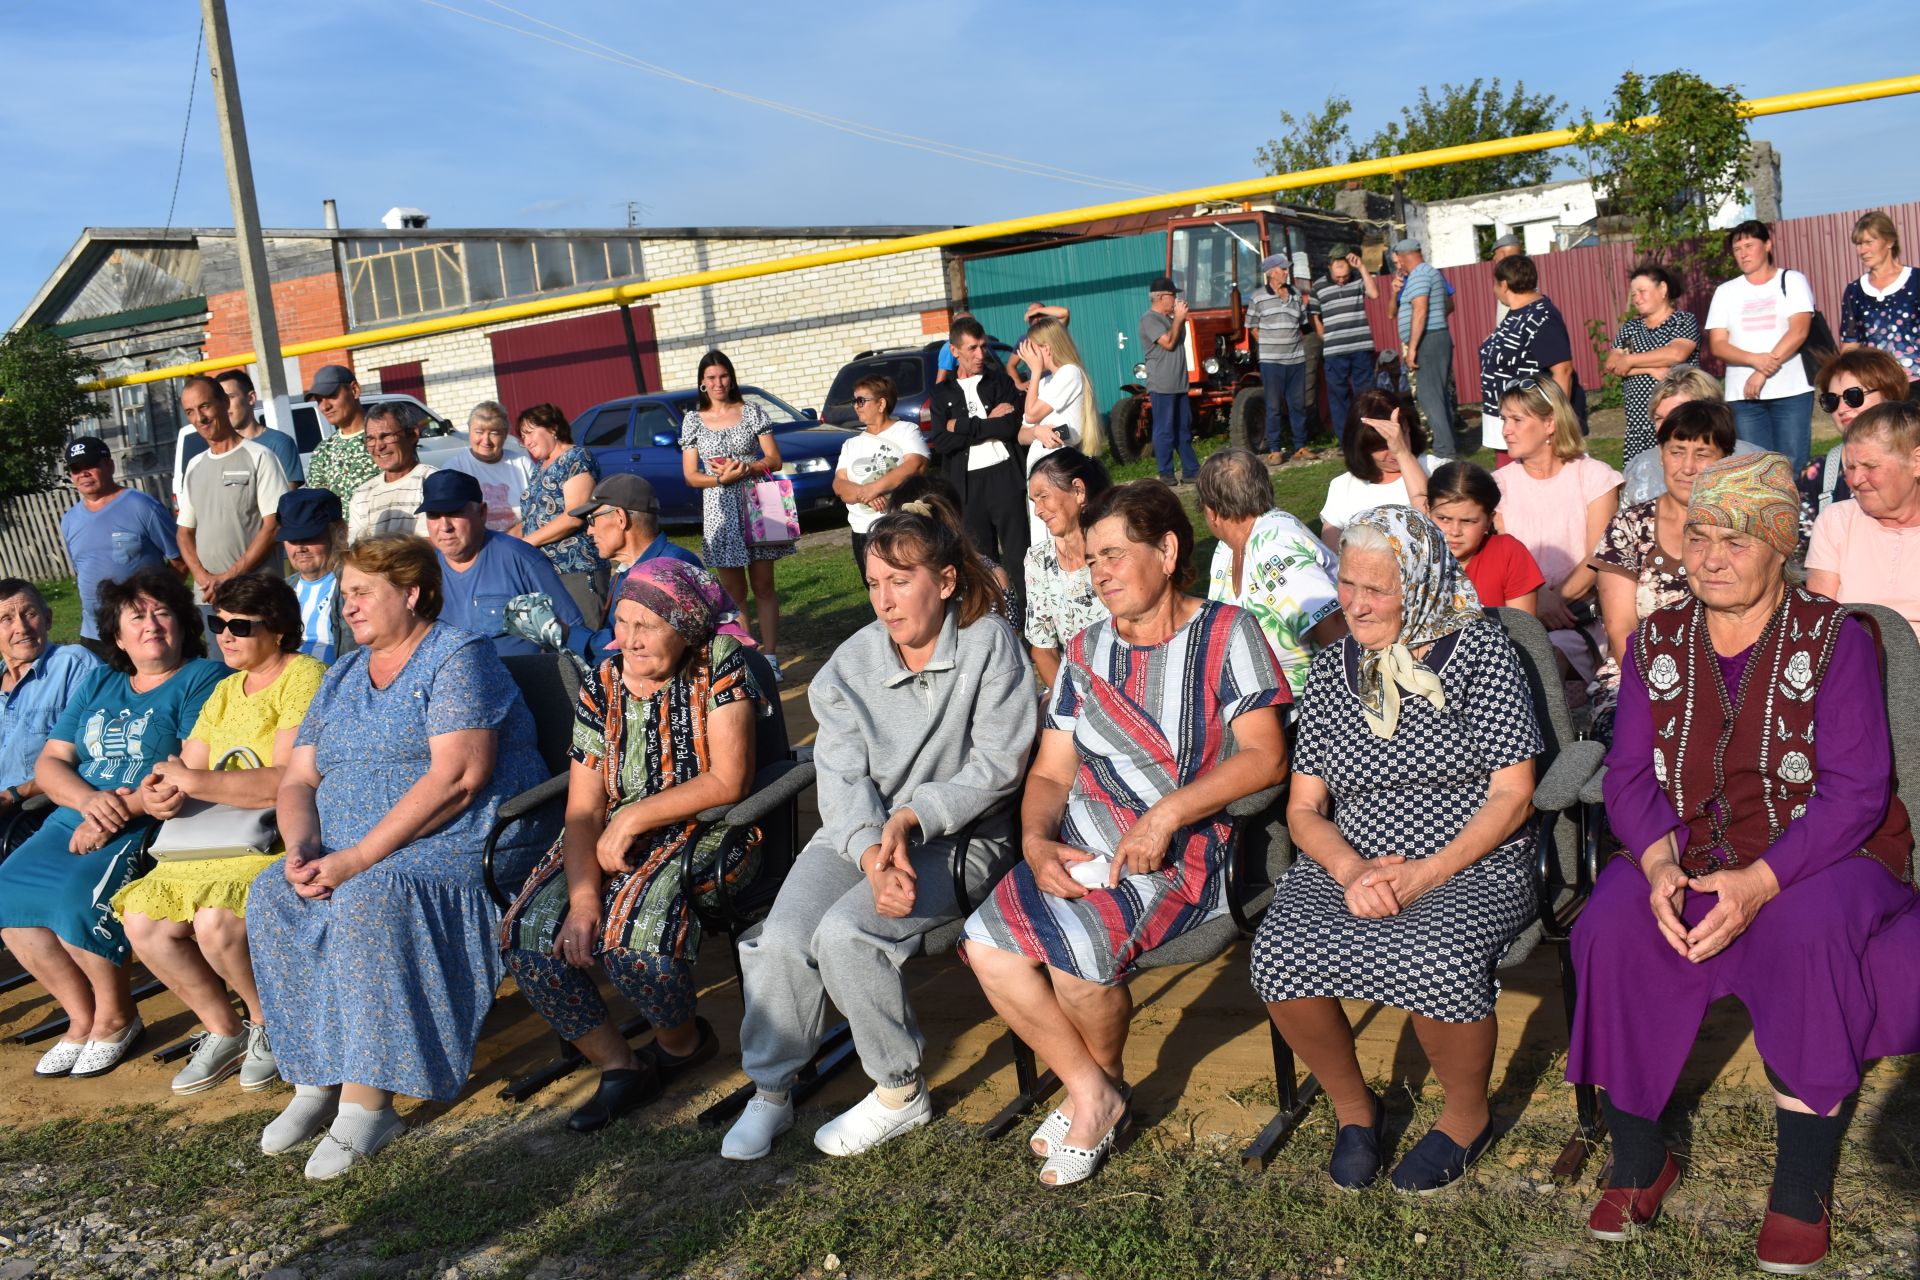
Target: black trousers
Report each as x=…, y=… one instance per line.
x=994, y=512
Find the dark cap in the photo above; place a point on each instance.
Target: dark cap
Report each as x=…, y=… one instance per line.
x=445, y=492
x=1339, y=252
x=1162, y=284
x=307, y=515
x=329, y=381
x=87, y=451
x=623, y=490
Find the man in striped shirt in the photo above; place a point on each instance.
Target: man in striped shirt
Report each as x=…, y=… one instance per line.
x=1339, y=311
x=1275, y=316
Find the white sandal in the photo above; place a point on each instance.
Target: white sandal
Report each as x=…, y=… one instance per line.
x=1054, y=1128
x=59, y=1060
x=1070, y=1164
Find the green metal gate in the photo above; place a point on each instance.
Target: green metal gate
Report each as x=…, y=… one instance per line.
x=1104, y=281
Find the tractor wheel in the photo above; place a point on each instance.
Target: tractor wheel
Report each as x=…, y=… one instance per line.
x=1247, y=419
x=1130, y=429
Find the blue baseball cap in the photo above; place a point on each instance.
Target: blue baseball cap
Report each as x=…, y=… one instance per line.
x=445, y=492
x=307, y=515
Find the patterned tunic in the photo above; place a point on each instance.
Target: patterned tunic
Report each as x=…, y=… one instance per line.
x=1286, y=583
x=1889, y=321
x=724, y=507
x=1409, y=794
x=545, y=500
x=640, y=747
x=341, y=463
x=1637, y=391
x=1632, y=544
x=1146, y=722
x=1060, y=605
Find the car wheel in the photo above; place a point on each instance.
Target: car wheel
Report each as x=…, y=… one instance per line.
x=1247, y=419
x=1130, y=429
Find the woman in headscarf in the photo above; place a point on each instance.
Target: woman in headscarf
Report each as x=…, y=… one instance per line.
x=1765, y=856
x=663, y=730
x=1411, y=789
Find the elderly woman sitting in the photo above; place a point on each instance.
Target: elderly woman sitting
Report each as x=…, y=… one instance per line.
x=187, y=917
x=1412, y=787
x=925, y=719
x=663, y=730
x=1163, y=715
x=1765, y=857
x=1268, y=563
x=373, y=943
x=37, y=680
x=57, y=889
x=1859, y=546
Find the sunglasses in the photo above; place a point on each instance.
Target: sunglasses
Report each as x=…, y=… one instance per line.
x=861, y=401
x=241, y=627
x=1853, y=397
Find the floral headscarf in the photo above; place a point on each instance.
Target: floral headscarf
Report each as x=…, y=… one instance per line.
x=687, y=598
x=1436, y=599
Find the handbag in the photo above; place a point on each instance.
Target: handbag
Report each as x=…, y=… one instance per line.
x=1819, y=346
x=771, y=514
x=203, y=829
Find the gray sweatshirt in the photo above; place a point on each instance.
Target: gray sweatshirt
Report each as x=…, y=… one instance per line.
x=949, y=742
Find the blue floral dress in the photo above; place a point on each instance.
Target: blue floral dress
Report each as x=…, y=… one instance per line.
x=546, y=499
x=386, y=982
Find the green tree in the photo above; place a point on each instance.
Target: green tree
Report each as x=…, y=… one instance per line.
x=40, y=399
x=1668, y=176
x=1320, y=139
x=1479, y=112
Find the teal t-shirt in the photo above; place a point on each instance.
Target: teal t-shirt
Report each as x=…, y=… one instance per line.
x=121, y=734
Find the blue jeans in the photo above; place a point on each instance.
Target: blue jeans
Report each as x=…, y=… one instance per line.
x=1285, y=384
x=1347, y=375
x=1784, y=425
x=1173, y=425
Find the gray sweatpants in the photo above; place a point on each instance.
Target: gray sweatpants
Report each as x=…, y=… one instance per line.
x=1431, y=383
x=824, y=939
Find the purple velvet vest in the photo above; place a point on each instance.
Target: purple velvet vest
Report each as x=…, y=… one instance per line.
x=1739, y=765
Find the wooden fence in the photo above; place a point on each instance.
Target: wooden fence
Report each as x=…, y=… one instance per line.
x=30, y=545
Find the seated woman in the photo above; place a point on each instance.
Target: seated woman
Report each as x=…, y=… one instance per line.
x=1464, y=501
x=1412, y=786
x=373, y=942
x=1163, y=715
x=1385, y=448
x=57, y=889
x=1765, y=856
x=1060, y=599
x=1848, y=384
x=663, y=730
x=928, y=494
x=1266, y=562
x=1557, y=500
x=37, y=680
x=1862, y=548
x=187, y=918
x=1646, y=475
x=926, y=717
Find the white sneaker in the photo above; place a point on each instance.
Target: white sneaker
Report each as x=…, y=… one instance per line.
x=311, y=1110
x=871, y=1122
x=355, y=1136
x=258, y=1070
x=753, y=1134
x=102, y=1056
x=59, y=1060
x=214, y=1058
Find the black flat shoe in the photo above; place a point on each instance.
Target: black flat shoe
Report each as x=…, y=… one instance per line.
x=619, y=1093
x=1357, y=1151
x=670, y=1066
x=1437, y=1160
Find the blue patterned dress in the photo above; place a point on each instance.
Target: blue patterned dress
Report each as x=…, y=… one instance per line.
x=386, y=982
x=546, y=499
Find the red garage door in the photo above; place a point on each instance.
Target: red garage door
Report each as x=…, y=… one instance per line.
x=574, y=363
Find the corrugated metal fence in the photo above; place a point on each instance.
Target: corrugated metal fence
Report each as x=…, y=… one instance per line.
x=30, y=545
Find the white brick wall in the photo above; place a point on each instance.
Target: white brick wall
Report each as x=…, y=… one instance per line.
x=788, y=334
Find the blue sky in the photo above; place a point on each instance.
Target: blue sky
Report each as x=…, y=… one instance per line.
x=384, y=102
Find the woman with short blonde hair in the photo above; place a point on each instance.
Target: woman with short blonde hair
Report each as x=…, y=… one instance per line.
x=1882, y=308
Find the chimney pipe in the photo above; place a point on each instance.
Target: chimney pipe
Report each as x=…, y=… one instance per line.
x=332, y=214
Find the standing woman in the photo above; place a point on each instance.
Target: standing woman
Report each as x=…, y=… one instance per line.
x=726, y=446
x=1061, y=601
x=563, y=477
x=1757, y=323
x=1882, y=308
x=1058, y=413
x=1650, y=343
x=1530, y=342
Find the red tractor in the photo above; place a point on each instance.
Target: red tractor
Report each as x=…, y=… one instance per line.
x=1215, y=260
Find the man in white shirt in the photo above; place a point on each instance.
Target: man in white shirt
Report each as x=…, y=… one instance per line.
x=1757, y=323
x=975, y=430
x=389, y=502
x=503, y=479
x=229, y=494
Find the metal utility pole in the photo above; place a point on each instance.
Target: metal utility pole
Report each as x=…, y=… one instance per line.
x=255, y=282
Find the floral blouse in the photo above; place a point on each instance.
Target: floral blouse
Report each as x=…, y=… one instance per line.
x=546, y=499
x=1631, y=544
x=1060, y=605
x=1287, y=577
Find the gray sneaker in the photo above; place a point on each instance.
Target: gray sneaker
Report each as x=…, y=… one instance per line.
x=258, y=1070
x=214, y=1059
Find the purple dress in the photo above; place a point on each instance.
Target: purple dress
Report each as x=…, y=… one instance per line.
x=1825, y=969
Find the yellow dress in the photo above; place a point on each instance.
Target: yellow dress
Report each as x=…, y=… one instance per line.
x=229, y=718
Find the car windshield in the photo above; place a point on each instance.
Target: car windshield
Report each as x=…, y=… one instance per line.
x=1210, y=258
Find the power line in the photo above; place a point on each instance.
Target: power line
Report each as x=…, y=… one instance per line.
x=193, y=87
x=873, y=133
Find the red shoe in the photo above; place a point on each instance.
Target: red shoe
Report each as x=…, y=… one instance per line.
x=1789, y=1246
x=1621, y=1209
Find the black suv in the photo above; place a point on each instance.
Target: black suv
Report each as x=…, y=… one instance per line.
x=913, y=370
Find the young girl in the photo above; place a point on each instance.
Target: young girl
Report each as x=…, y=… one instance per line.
x=1462, y=497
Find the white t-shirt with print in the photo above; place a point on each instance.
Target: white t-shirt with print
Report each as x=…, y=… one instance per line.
x=1348, y=495
x=1062, y=390
x=502, y=485
x=1755, y=317
x=984, y=455
x=872, y=454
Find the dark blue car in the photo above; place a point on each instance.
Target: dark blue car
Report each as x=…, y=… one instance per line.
x=641, y=435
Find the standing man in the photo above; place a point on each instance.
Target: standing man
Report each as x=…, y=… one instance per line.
x=314, y=535
x=1339, y=310
x=230, y=496
x=481, y=570
x=389, y=501
x=623, y=519
x=1425, y=343
x=502, y=479
x=111, y=532
x=242, y=401
x=1505, y=247
x=975, y=435
x=341, y=462
x=1163, y=336
x=1275, y=316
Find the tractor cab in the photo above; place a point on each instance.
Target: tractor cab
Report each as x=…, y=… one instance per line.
x=1215, y=260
